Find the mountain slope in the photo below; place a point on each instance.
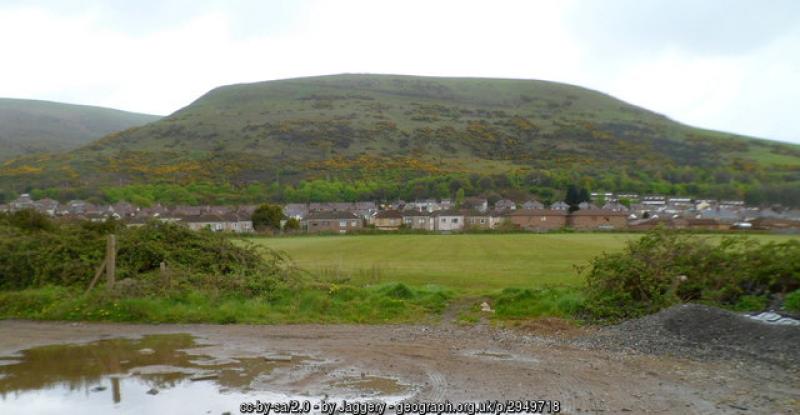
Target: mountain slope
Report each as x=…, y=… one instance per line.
x=29, y=126
x=394, y=133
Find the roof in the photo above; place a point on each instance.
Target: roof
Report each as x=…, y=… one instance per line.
x=331, y=215
x=703, y=221
x=473, y=212
x=413, y=213
x=537, y=212
x=389, y=214
x=448, y=212
x=598, y=212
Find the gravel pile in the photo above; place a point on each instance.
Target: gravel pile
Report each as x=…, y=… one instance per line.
x=702, y=332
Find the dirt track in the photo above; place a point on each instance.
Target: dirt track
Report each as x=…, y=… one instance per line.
x=475, y=363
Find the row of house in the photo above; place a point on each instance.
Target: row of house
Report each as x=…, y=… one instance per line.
x=456, y=220
x=439, y=215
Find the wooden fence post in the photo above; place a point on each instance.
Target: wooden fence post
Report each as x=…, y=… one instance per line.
x=165, y=277
x=111, y=261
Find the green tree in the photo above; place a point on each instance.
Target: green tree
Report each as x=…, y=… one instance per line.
x=292, y=224
x=267, y=217
x=459, y=197
x=575, y=196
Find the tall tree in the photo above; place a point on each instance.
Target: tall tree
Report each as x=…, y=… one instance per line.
x=576, y=195
x=267, y=217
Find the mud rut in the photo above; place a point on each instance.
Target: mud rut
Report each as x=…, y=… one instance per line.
x=448, y=361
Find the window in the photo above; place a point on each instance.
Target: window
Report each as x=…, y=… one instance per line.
x=342, y=223
x=455, y=220
x=444, y=220
x=483, y=221
x=353, y=223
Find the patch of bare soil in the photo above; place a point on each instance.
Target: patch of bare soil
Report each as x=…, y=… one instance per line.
x=588, y=373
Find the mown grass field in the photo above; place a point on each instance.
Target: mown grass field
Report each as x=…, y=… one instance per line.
x=466, y=262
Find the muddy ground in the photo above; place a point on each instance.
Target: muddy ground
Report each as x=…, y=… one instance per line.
x=448, y=361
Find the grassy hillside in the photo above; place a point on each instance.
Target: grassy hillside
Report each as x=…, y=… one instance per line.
x=368, y=136
x=30, y=126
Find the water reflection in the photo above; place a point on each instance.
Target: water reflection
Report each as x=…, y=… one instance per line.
x=124, y=370
x=156, y=374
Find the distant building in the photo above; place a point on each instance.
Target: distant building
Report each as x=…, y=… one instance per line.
x=23, y=202
x=538, y=219
x=331, y=221
x=559, y=206
x=421, y=220
x=448, y=220
x=654, y=200
x=504, y=205
x=475, y=219
x=597, y=219
x=475, y=203
x=533, y=204
x=388, y=220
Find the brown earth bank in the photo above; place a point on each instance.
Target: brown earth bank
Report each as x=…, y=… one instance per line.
x=589, y=370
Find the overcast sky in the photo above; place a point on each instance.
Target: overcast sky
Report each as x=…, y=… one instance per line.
x=723, y=64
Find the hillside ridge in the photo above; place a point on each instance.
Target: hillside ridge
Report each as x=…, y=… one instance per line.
x=406, y=135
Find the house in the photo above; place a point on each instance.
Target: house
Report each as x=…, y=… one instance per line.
x=421, y=220
x=428, y=205
x=505, y=205
x=559, y=206
x=23, y=202
x=538, y=219
x=474, y=220
x=710, y=224
x=331, y=221
x=4, y=208
x=533, y=204
x=123, y=209
x=597, y=219
x=47, y=206
x=364, y=209
x=654, y=200
x=227, y=222
x=448, y=220
x=476, y=203
x=681, y=202
x=388, y=220
x=587, y=206
x=295, y=210
x=615, y=206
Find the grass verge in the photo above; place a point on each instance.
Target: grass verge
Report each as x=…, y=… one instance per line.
x=388, y=303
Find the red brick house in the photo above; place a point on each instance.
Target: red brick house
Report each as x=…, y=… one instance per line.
x=597, y=219
x=538, y=219
x=334, y=222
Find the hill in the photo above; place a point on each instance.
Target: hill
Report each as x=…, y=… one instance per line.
x=372, y=136
x=31, y=126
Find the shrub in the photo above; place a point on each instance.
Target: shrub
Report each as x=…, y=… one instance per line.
x=792, y=301
x=68, y=254
x=664, y=268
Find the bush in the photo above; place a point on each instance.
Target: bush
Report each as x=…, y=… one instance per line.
x=664, y=268
x=68, y=254
x=792, y=301
x=526, y=303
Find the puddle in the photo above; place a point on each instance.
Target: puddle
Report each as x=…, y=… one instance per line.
x=495, y=355
x=154, y=373
x=369, y=386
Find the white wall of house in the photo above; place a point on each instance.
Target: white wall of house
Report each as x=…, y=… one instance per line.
x=448, y=223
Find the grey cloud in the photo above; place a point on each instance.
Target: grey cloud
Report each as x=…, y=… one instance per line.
x=710, y=27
